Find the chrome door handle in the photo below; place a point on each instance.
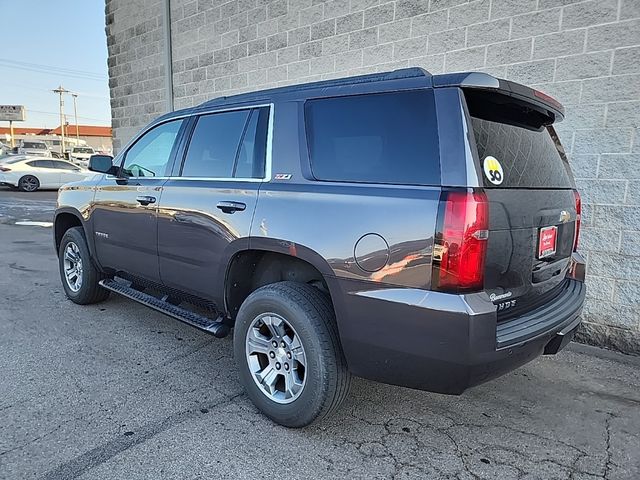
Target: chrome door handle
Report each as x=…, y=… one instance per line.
x=145, y=199
x=231, y=207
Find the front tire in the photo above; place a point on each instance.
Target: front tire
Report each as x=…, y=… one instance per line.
x=288, y=353
x=79, y=275
x=28, y=183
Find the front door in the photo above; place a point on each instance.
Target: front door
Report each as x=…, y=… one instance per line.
x=209, y=203
x=68, y=171
x=47, y=173
x=125, y=222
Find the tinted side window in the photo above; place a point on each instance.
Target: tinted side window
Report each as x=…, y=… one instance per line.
x=41, y=164
x=149, y=156
x=227, y=145
x=251, y=156
x=379, y=138
x=63, y=165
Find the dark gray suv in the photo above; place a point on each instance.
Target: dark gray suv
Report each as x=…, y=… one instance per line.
x=414, y=229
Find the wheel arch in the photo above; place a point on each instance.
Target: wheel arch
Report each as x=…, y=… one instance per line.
x=272, y=261
x=66, y=218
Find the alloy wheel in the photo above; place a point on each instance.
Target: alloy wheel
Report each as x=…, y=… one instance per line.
x=276, y=358
x=72, y=266
x=29, y=184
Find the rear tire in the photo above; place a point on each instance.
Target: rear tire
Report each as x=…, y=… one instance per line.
x=28, y=183
x=306, y=319
x=79, y=275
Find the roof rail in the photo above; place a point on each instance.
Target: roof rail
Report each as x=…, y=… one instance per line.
x=413, y=72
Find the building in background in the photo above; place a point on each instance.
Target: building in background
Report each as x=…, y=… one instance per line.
x=584, y=53
x=98, y=137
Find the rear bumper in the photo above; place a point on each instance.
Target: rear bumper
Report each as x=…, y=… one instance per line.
x=4, y=180
x=447, y=343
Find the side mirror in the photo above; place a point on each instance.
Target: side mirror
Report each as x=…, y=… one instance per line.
x=101, y=163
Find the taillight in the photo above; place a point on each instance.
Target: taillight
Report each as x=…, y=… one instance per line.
x=578, y=219
x=4, y=169
x=460, y=243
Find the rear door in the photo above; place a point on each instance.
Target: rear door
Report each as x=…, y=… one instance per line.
x=208, y=202
x=532, y=203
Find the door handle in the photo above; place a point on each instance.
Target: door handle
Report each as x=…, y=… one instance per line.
x=145, y=199
x=231, y=207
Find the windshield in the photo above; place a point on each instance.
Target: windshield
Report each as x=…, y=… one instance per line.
x=82, y=150
x=34, y=145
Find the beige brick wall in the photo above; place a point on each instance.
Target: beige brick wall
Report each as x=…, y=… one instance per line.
x=585, y=53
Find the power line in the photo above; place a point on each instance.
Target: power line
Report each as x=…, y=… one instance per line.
x=79, y=116
x=64, y=69
x=46, y=90
x=63, y=72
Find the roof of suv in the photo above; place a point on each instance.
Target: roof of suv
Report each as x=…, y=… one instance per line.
x=413, y=77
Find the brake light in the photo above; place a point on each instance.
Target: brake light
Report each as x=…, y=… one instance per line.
x=460, y=244
x=547, y=98
x=578, y=219
x=5, y=169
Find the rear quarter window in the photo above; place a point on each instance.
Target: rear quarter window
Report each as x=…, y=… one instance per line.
x=376, y=138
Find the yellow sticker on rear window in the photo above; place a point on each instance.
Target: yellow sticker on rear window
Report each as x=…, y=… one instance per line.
x=493, y=170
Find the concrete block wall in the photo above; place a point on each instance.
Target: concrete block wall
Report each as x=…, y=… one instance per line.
x=585, y=53
x=136, y=65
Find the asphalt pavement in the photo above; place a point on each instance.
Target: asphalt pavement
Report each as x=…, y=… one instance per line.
x=117, y=391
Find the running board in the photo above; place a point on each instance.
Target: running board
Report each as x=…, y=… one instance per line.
x=216, y=327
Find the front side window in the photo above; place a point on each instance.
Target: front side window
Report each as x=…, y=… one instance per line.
x=41, y=164
x=228, y=145
x=149, y=156
x=377, y=138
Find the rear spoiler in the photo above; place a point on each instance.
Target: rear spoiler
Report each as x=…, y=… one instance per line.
x=484, y=81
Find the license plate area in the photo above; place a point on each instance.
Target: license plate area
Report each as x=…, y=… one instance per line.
x=547, y=241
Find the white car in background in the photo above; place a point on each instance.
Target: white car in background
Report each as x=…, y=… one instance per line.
x=29, y=173
x=33, y=147
x=81, y=155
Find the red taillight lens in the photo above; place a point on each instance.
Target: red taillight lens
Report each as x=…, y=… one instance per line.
x=4, y=169
x=578, y=219
x=460, y=244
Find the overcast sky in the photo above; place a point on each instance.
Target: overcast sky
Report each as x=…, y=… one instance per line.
x=46, y=43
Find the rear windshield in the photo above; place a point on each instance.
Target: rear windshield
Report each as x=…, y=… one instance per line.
x=376, y=138
x=13, y=160
x=516, y=142
x=529, y=158
x=82, y=150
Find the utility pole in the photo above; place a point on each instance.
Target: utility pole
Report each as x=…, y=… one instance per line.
x=61, y=91
x=13, y=143
x=75, y=112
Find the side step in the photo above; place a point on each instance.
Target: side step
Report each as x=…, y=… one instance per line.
x=216, y=327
